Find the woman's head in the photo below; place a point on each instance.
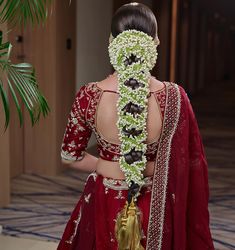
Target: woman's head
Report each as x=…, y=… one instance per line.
x=134, y=16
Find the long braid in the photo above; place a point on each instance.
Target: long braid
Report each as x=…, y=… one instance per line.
x=133, y=54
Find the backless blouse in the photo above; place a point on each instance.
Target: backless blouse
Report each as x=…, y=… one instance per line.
x=82, y=122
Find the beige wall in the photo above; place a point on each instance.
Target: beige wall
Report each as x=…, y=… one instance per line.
x=92, y=34
x=40, y=154
x=16, y=132
x=4, y=151
x=55, y=64
x=93, y=29
x=4, y=162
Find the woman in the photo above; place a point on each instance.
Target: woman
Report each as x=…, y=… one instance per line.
x=149, y=187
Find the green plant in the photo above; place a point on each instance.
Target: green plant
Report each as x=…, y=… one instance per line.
x=20, y=78
x=24, y=11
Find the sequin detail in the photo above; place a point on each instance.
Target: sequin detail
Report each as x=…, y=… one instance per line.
x=76, y=224
x=160, y=179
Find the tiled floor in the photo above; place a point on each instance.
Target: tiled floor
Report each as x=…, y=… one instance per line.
x=215, y=111
x=41, y=206
x=13, y=243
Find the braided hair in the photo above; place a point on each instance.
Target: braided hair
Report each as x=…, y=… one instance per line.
x=133, y=54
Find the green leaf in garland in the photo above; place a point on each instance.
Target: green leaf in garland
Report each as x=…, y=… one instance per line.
x=129, y=45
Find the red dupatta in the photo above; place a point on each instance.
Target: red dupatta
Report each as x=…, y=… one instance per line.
x=181, y=169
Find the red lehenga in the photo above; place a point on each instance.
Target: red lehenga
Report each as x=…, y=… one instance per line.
x=173, y=202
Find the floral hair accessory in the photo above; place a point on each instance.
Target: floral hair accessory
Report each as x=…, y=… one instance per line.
x=133, y=54
x=156, y=41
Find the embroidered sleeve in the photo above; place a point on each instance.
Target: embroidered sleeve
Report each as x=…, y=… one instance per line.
x=198, y=223
x=77, y=132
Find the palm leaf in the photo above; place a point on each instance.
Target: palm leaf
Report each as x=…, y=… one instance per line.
x=16, y=103
x=22, y=82
x=5, y=104
x=24, y=11
x=20, y=78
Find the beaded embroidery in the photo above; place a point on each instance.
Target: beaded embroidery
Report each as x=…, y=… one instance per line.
x=77, y=133
x=76, y=224
x=160, y=179
x=122, y=184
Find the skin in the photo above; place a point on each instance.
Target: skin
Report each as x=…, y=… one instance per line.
x=106, y=125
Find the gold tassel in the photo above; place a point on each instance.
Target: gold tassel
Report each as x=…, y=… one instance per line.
x=128, y=228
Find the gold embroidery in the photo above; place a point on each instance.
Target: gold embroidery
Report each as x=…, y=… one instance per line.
x=173, y=197
x=118, y=185
x=111, y=237
x=87, y=198
x=76, y=222
x=69, y=156
x=92, y=175
x=119, y=195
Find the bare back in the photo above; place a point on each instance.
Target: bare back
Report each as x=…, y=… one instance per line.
x=106, y=119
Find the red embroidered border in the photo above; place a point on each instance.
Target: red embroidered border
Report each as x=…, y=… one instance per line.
x=160, y=179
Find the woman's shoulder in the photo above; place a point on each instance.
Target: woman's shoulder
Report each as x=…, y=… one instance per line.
x=178, y=86
x=176, y=89
x=183, y=93
x=87, y=90
x=84, y=97
x=156, y=84
x=90, y=89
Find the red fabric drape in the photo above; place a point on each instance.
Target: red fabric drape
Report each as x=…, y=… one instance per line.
x=188, y=183
x=183, y=195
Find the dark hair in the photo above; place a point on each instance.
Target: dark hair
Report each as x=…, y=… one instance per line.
x=134, y=16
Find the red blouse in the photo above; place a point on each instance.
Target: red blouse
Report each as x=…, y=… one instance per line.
x=82, y=121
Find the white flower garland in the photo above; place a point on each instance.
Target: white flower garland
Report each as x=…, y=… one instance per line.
x=133, y=54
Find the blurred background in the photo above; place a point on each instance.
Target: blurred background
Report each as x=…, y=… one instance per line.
x=197, y=51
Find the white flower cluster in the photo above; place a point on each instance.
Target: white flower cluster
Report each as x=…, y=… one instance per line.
x=133, y=41
x=133, y=54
